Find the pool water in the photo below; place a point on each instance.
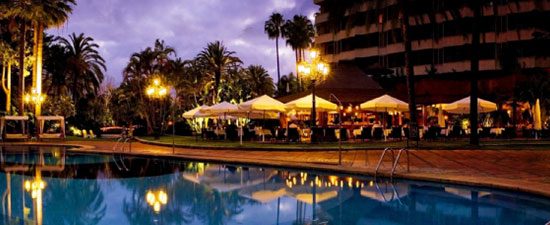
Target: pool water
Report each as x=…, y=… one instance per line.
x=53, y=187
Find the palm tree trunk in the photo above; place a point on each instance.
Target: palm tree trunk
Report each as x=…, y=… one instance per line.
x=413, y=132
x=278, y=66
x=4, y=67
x=34, y=52
x=22, y=68
x=474, y=63
x=8, y=96
x=6, y=83
x=217, y=78
x=38, y=65
x=297, y=72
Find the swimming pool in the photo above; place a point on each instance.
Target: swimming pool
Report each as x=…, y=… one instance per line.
x=51, y=186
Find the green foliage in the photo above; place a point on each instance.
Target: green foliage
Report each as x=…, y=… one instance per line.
x=59, y=105
x=219, y=62
x=288, y=85
x=299, y=32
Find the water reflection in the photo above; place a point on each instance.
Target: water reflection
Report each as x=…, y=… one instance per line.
x=107, y=189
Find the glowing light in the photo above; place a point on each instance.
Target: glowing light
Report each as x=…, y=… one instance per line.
x=313, y=54
x=156, y=199
x=35, y=187
x=156, y=90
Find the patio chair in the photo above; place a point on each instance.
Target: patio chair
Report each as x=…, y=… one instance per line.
x=91, y=134
x=232, y=133
x=456, y=132
x=396, y=133
x=509, y=133
x=378, y=133
x=406, y=131
x=293, y=135
x=330, y=135
x=485, y=132
x=281, y=134
x=366, y=133
x=343, y=134
x=317, y=134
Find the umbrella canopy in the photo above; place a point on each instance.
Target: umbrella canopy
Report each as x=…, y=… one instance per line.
x=305, y=103
x=462, y=106
x=254, y=114
x=385, y=103
x=195, y=113
x=537, y=118
x=220, y=109
x=262, y=103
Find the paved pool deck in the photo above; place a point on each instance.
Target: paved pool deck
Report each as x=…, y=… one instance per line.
x=516, y=170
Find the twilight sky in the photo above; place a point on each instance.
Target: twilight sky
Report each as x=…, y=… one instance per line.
x=122, y=27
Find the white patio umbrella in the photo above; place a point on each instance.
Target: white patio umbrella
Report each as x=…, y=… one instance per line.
x=196, y=112
x=262, y=103
x=305, y=104
x=220, y=109
x=462, y=106
x=385, y=103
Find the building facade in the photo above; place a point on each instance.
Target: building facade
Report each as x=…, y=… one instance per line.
x=514, y=35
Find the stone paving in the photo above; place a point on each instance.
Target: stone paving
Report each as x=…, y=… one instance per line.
x=523, y=170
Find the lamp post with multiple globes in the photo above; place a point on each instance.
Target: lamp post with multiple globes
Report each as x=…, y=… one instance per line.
x=314, y=69
x=36, y=98
x=156, y=91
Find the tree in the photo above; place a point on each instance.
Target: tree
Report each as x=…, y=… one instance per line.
x=299, y=33
x=218, y=60
x=60, y=105
x=8, y=59
x=42, y=14
x=84, y=65
x=287, y=86
x=474, y=72
x=409, y=67
x=152, y=62
x=273, y=29
x=260, y=81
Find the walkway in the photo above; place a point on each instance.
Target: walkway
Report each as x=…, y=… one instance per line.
x=525, y=170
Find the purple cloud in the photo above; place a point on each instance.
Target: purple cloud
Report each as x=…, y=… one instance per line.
x=123, y=27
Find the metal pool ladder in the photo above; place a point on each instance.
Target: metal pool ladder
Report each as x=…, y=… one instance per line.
x=395, y=160
x=121, y=144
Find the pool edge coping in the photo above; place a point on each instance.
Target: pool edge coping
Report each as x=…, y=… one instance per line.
x=325, y=167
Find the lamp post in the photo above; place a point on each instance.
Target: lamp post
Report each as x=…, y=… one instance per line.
x=156, y=91
x=315, y=69
x=34, y=98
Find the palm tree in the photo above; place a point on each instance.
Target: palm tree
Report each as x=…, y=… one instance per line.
x=18, y=9
x=153, y=61
x=218, y=59
x=85, y=66
x=409, y=70
x=8, y=59
x=260, y=81
x=299, y=33
x=273, y=28
x=42, y=14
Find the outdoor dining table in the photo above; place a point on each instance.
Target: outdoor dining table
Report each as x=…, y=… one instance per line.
x=262, y=132
x=497, y=131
